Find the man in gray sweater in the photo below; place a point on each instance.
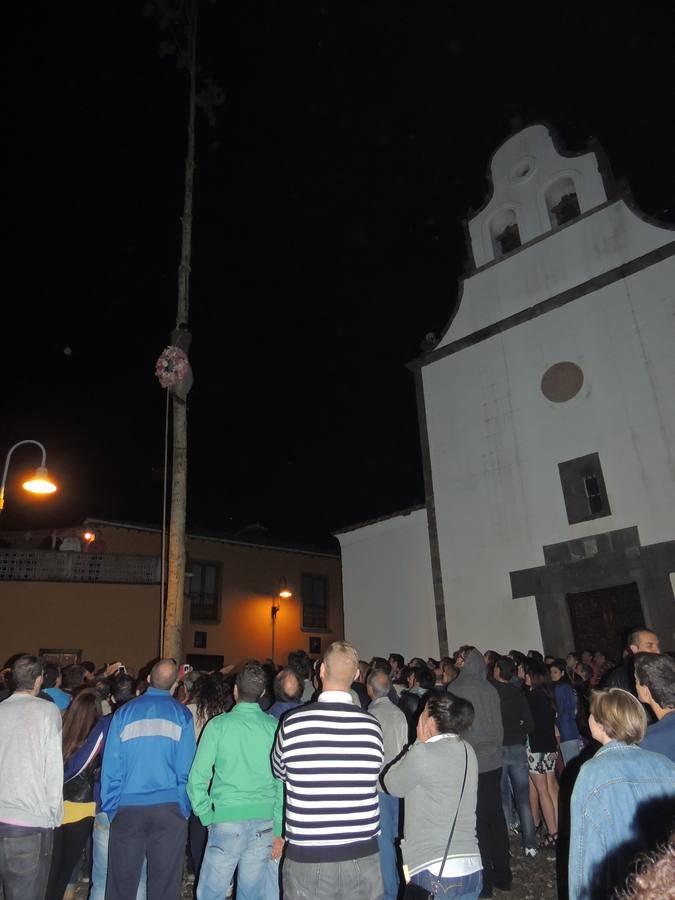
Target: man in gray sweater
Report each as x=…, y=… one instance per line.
x=31, y=782
x=395, y=736
x=485, y=736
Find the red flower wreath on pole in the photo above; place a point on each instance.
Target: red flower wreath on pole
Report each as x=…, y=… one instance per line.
x=172, y=367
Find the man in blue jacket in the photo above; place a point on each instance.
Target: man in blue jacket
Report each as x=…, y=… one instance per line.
x=146, y=763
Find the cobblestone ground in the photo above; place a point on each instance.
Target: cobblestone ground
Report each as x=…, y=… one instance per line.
x=533, y=879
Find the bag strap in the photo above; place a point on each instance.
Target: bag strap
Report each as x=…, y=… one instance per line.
x=454, y=821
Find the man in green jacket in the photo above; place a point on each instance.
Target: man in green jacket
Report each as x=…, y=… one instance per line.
x=243, y=808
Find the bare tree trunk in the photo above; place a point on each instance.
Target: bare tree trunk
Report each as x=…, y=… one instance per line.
x=173, y=623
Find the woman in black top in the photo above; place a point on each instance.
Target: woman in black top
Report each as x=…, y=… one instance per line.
x=542, y=748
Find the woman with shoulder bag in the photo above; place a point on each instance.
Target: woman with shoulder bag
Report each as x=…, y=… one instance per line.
x=438, y=778
x=79, y=807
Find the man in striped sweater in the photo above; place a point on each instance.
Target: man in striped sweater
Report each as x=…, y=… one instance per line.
x=329, y=754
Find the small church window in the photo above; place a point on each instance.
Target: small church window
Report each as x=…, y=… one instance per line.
x=593, y=493
x=566, y=209
x=505, y=232
x=583, y=487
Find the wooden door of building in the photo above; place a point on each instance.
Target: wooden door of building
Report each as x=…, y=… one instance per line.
x=602, y=618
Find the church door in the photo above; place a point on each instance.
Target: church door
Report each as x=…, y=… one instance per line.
x=602, y=618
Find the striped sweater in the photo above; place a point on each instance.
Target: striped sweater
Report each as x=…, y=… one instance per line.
x=330, y=754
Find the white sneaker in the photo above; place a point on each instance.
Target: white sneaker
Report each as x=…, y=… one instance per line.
x=531, y=851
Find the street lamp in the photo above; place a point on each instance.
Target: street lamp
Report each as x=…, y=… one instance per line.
x=40, y=483
x=284, y=592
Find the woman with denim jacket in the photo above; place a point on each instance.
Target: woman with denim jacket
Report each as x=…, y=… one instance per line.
x=623, y=799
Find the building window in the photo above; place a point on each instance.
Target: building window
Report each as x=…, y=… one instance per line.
x=60, y=657
x=584, y=489
x=594, y=494
x=562, y=202
x=505, y=232
x=204, y=592
x=200, y=640
x=205, y=662
x=315, y=602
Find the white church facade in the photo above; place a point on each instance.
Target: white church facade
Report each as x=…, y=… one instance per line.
x=547, y=427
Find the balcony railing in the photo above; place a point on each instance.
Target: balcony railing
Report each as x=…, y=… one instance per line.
x=57, y=565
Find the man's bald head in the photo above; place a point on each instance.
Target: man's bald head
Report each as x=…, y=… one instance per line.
x=164, y=674
x=339, y=667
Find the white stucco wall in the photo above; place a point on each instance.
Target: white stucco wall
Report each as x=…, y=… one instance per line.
x=496, y=442
x=564, y=259
x=387, y=588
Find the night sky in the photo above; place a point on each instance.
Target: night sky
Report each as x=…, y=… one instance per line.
x=328, y=240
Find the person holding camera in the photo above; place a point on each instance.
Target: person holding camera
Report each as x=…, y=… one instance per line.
x=438, y=779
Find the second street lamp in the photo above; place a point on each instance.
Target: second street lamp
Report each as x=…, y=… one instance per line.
x=284, y=592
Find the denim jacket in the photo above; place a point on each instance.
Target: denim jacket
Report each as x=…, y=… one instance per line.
x=623, y=802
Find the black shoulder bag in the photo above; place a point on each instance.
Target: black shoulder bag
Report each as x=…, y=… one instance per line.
x=415, y=891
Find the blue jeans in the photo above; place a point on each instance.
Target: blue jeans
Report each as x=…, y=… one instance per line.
x=245, y=847
x=100, y=838
x=515, y=771
x=570, y=749
x=24, y=863
x=386, y=842
x=463, y=887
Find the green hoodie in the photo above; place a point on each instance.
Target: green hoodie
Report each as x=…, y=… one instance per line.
x=234, y=756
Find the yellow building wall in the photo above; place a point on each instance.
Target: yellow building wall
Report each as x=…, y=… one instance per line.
x=119, y=621
x=107, y=622
x=249, y=577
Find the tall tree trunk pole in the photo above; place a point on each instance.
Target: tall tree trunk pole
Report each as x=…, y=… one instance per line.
x=173, y=623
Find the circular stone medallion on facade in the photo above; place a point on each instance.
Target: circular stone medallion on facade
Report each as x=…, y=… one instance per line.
x=522, y=170
x=562, y=382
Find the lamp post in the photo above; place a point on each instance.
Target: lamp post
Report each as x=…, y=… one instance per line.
x=276, y=605
x=40, y=483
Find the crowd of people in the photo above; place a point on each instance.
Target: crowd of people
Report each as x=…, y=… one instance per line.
x=339, y=778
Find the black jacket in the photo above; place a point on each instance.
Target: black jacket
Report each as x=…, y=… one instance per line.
x=411, y=705
x=542, y=736
x=362, y=693
x=622, y=676
x=516, y=716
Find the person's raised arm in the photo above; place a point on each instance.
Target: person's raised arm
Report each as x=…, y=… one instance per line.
x=402, y=776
